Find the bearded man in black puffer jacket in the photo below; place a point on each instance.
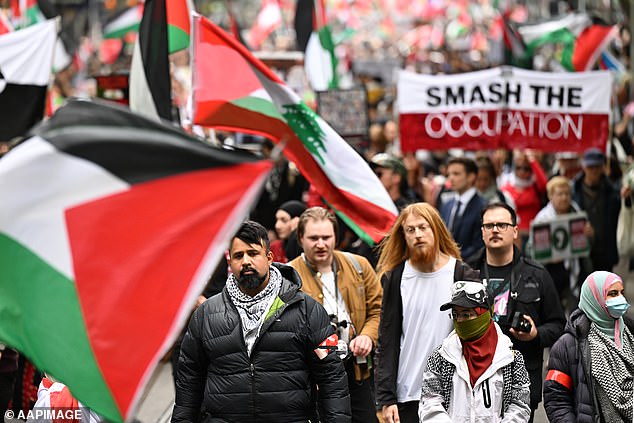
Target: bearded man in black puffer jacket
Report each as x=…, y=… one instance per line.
x=256, y=351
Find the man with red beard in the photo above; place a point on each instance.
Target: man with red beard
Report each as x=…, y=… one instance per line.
x=418, y=263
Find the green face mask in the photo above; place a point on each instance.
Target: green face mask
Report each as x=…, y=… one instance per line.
x=470, y=330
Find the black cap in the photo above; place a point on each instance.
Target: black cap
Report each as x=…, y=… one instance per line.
x=467, y=294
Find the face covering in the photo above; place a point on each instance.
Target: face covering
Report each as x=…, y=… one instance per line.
x=617, y=306
x=469, y=330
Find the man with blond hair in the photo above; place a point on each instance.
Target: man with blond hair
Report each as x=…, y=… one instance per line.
x=418, y=263
x=349, y=289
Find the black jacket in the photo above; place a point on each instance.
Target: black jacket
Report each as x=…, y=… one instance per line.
x=571, y=356
x=217, y=381
x=536, y=297
x=391, y=328
x=603, y=253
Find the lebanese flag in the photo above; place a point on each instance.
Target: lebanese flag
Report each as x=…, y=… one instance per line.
x=150, y=82
x=26, y=59
x=111, y=227
x=244, y=95
x=269, y=18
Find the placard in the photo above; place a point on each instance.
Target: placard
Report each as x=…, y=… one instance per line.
x=559, y=238
x=346, y=111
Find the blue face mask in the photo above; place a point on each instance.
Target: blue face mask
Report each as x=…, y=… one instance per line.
x=617, y=306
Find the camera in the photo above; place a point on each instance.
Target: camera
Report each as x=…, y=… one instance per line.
x=519, y=323
x=342, y=346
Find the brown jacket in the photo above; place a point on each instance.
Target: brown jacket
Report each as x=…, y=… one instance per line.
x=362, y=294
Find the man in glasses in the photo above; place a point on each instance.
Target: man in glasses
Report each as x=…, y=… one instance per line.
x=419, y=261
x=525, y=300
x=491, y=382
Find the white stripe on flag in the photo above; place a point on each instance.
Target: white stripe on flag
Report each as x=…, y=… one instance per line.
x=39, y=183
x=27, y=54
x=141, y=100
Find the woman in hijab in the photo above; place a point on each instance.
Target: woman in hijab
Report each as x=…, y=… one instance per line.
x=591, y=367
x=475, y=372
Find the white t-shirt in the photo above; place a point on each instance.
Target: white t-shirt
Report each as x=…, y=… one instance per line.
x=334, y=303
x=424, y=325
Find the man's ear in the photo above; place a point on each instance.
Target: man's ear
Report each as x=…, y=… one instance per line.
x=269, y=256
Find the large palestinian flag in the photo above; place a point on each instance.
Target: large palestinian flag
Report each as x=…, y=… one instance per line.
x=26, y=58
x=110, y=226
x=244, y=95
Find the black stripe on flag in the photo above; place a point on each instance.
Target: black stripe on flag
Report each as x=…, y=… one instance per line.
x=153, y=44
x=21, y=107
x=132, y=147
x=303, y=22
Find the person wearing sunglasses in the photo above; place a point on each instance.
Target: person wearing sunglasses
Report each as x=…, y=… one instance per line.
x=591, y=367
x=524, y=297
x=475, y=373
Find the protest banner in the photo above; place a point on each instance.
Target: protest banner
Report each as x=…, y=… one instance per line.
x=504, y=107
x=559, y=238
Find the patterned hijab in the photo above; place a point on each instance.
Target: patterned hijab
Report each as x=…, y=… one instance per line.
x=594, y=293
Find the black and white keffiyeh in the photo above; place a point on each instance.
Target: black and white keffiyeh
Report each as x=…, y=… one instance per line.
x=613, y=371
x=250, y=308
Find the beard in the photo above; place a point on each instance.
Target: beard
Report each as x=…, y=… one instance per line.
x=250, y=281
x=424, y=255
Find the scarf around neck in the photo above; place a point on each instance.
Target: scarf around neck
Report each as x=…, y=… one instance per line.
x=479, y=353
x=252, y=309
x=613, y=370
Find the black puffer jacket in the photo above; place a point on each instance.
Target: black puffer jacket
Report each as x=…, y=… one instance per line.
x=571, y=356
x=217, y=381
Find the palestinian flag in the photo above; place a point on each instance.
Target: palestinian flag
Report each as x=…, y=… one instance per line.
x=244, y=95
x=177, y=24
x=150, y=84
x=127, y=21
x=581, y=38
x=26, y=58
x=110, y=228
x=320, y=61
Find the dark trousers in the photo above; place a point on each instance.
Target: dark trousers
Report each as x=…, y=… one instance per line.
x=361, y=397
x=408, y=412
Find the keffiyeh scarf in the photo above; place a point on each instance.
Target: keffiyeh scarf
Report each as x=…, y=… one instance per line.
x=251, y=309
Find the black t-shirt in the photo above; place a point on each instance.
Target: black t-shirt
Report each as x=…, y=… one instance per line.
x=498, y=287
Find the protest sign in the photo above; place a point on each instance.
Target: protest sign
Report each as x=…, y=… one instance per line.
x=504, y=107
x=559, y=238
x=347, y=112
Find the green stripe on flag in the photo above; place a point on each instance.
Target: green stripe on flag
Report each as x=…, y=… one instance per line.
x=41, y=317
x=177, y=38
x=122, y=32
x=325, y=39
x=561, y=36
x=259, y=105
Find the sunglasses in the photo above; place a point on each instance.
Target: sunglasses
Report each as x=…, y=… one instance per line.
x=524, y=168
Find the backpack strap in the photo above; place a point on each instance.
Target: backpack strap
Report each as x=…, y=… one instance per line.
x=352, y=259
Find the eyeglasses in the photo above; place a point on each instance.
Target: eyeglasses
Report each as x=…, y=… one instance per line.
x=501, y=226
x=475, y=291
x=524, y=168
x=463, y=315
x=411, y=230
